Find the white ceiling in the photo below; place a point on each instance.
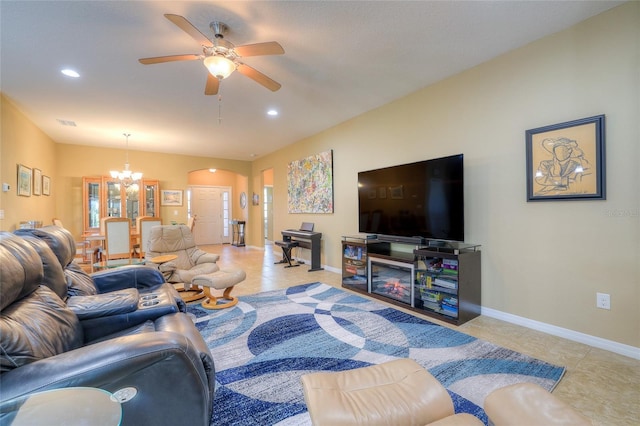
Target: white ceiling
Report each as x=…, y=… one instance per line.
x=341, y=59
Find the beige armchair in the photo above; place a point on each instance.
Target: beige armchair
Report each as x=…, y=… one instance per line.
x=192, y=267
x=190, y=262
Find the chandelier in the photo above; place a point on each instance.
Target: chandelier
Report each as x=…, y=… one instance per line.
x=126, y=177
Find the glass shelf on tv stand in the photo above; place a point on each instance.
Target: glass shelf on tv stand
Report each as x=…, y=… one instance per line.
x=454, y=247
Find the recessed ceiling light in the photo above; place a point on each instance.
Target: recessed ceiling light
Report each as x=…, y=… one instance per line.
x=70, y=73
x=272, y=112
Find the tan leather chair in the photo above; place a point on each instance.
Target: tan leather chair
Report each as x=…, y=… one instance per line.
x=196, y=269
x=399, y=392
x=190, y=262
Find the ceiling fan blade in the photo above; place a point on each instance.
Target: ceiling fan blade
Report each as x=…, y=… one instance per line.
x=212, y=85
x=258, y=49
x=258, y=77
x=188, y=28
x=171, y=58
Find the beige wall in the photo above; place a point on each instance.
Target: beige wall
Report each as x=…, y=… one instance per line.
x=23, y=143
x=543, y=261
x=171, y=170
x=267, y=176
x=237, y=182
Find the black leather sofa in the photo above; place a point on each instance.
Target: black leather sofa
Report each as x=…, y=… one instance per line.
x=105, y=301
x=43, y=344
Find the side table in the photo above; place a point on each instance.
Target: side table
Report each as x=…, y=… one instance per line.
x=238, y=233
x=116, y=263
x=64, y=406
x=159, y=260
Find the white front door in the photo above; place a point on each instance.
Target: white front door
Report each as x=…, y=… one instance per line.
x=210, y=205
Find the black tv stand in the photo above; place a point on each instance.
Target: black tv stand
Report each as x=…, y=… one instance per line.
x=438, y=278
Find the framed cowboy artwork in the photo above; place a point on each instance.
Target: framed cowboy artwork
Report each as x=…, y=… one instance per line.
x=566, y=161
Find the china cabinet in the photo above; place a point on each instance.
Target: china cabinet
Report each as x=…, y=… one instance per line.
x=105, y=197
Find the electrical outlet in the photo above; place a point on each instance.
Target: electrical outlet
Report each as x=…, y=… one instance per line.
x=603, y=301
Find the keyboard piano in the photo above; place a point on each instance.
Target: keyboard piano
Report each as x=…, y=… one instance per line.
x=309, y=240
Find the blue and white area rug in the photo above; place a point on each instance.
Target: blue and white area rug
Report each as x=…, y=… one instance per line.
x=267, y=341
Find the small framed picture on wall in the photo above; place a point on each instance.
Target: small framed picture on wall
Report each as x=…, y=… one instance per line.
x=170, y=197
x=25, y=179
x=46, y=185
x=37, y=181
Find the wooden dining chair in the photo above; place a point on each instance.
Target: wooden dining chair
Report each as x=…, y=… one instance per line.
x=191, y=222
x=117, y=238
x=82, y=247
x=143, y=226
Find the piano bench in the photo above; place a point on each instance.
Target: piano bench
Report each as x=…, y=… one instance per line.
x=287, y=245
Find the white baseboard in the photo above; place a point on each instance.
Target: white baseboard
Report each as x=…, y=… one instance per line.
x=332, y=269
x=325, y=267
x=598, y=342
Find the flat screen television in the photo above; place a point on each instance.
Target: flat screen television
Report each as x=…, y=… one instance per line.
x=423, y=199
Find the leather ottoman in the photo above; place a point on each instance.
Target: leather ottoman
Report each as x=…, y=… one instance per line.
x=527, y=404
x=399, y=392
x=220, y=280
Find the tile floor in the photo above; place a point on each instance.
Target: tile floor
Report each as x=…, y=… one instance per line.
x=602, y=385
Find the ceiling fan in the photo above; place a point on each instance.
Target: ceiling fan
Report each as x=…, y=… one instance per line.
x=219, y=56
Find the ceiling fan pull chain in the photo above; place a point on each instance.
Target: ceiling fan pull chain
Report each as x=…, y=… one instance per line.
x=219, y=109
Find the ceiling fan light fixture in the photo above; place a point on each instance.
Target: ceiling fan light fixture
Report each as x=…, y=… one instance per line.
x=219, y=66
